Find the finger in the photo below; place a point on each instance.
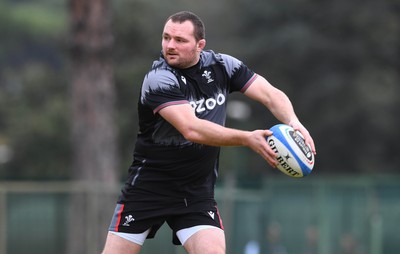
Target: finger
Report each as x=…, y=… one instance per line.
x=307, y=138
x=270, y=156
x=310, y=142
x=271, y=160
x=272, y=163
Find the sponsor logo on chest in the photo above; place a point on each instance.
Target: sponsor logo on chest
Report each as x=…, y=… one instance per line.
x=208, y=104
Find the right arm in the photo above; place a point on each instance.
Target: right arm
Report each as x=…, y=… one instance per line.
x=197, y=130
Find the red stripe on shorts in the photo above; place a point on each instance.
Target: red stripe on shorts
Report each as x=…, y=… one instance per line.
x=220, y=219
x=119, y=217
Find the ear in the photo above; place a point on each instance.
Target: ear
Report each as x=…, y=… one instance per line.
x=201, y=44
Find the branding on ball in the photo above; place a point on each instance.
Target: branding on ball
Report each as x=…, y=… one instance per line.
x=281, y=160
x=304, y=148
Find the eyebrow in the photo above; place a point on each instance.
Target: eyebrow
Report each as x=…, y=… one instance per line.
x=176, y=37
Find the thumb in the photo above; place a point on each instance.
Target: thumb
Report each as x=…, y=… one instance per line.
x=268, y=132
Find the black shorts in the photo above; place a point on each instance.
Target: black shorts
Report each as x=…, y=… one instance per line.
x=137, y=217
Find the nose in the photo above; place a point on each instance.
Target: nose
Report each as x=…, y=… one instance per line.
x=170, y=44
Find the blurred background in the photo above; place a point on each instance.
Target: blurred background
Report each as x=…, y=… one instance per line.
x=70, y=74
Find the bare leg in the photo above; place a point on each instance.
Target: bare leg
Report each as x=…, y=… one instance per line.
x=206, y=241
x=118, y=245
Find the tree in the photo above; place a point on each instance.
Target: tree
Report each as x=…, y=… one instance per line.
x=93, y=127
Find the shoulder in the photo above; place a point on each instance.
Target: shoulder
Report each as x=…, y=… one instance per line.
x=209, y=57
x=230, y=63
x=160, y=75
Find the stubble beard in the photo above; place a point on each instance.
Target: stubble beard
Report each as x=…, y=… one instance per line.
x=185, y=63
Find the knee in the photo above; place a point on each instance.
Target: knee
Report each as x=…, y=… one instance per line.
x=207, y=249
x=215, y=250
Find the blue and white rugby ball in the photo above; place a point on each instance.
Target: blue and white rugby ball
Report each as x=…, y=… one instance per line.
x=294, y=156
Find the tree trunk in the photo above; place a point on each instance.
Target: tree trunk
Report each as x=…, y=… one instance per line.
x=93, y=126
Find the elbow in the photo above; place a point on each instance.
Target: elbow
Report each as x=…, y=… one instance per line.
x=190, y=134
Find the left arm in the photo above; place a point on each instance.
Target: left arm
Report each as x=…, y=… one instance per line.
x=279, y=104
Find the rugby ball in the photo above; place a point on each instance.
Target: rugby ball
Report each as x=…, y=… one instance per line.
x=294, y=156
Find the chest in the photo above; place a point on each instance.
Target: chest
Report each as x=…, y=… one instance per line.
x=206, y=89
x=203, y=83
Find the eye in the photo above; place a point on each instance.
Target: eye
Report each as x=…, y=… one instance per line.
x=181, y=40
x=165, y=37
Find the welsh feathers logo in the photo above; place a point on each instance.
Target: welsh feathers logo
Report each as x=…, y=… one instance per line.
x=128, y=219
x=207, y=75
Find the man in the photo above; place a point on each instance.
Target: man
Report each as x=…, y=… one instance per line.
x=181, y=116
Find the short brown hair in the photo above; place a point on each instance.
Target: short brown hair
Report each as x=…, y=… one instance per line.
x=199, y=29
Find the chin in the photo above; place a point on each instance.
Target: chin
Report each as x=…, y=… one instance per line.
x=171, y=61
x=174, y=64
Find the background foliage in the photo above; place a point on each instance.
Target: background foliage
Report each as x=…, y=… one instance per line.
x=337, y=61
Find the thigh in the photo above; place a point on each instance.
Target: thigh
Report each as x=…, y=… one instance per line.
x=204, y=216
x=206, y=241
x=117, y=245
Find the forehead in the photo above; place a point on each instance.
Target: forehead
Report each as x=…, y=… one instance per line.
x=184, y=29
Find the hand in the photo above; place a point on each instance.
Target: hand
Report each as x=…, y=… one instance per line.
x=297, y=126
x=257, y=141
